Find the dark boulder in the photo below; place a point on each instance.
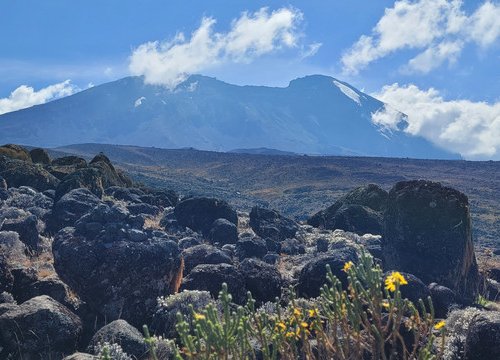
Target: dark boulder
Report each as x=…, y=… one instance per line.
x=160, y=197
x=97, y=176
x=44, y=326
x=358, y=219
x=12, y=259
x=223, y=232
x=210, y=277
x=141, y=208
x=70, y=160
x=19, y=173
x=122, y=333
x=370, y=196
x=200, y=213
x=203, y=254
x=30, y=200
x=270, y=224
x=261, y=279
x=72, y=207
x=7, y=298
x=28, y=228
x=40, y=156
x=188, y=241
x=313, y=275
x=15, y=152
x=428, y=233
x=110, y=175
x=130, y=195
x=492, y=290
x=87, y=178
x=271, y=258
x=61, y=167
x=483, y=337
x=494, y=274
x=52, y=286
x=250, y=247
x=443, y=299
x=121, y=279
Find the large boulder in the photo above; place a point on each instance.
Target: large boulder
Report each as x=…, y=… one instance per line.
x=72, y=207
x=22, y=173
x=210, y=277
x=43, y=325
x=28, y=228
x=428, y=233
x=443, y=299
x=63, y=166
x=200, y=213
x=261, y=279
x=121, y=279
x=40, y=156
x=250, y=247
x=13, y=259
x=15, y=152
x=203, y=254
x=122, y=333
x=313, y=275
x=110, y=175
x=371, y=199
x=97, y=176
x=483, y=337
x=223, y=232
x=270, y=224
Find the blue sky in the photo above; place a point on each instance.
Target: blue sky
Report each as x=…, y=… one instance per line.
x=439, y=56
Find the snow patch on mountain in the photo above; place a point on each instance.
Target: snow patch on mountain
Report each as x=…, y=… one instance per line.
x=139, y=101
x=350, y=93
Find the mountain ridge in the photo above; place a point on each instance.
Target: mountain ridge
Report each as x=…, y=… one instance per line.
x=315, y=114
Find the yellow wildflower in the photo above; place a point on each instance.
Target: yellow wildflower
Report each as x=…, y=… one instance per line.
x=297, y=312
x=281, y=325
x=304, y=324
x=289, y=334
x=440, y=325
x=393, y=279
x=385, y=304
x=198, y=316
x=313, y=313
x=347, y=266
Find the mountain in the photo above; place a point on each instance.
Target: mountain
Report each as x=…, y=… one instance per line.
x=312, y=115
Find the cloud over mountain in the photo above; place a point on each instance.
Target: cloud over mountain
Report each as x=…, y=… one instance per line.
x=469, y=128
x=25, y=96
x=439, y=29
x=250, y=36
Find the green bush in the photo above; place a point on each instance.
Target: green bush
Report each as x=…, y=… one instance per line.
x=367, y=320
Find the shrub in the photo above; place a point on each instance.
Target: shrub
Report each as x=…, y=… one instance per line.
x=366, y=320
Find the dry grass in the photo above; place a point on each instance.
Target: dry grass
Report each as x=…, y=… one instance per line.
x=153, y=222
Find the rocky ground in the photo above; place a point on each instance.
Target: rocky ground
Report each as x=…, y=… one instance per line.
x=87, y=257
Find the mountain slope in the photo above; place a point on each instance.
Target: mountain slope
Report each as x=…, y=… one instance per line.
x=315, y=114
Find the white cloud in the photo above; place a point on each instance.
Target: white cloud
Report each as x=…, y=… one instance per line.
x=310, y=50
x=469, y=128
x=25, y=96
x=250, y=36
x=440, y=28
x=436, y=55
